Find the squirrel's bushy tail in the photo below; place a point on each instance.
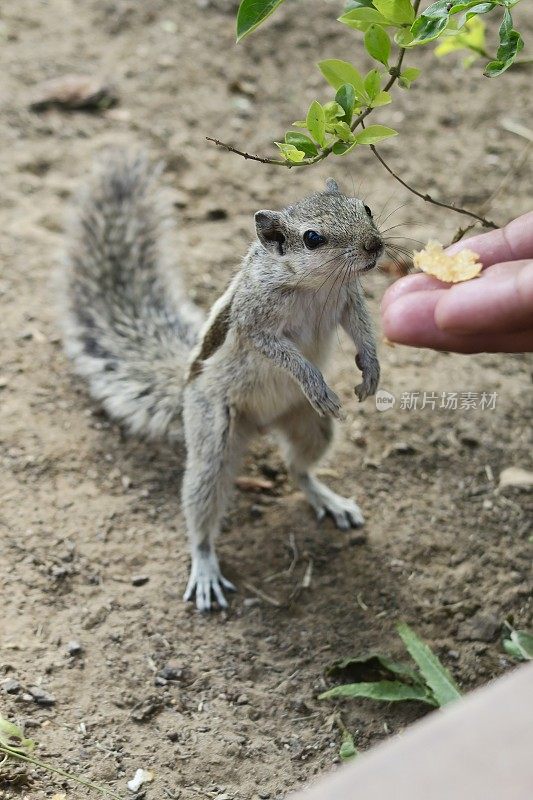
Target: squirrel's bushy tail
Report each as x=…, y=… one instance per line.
x=128, y=328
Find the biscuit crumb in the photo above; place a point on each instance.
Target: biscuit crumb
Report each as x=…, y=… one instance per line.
x=462, y=266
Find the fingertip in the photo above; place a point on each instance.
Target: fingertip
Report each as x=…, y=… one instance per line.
x=407, y=316
x=410, y=283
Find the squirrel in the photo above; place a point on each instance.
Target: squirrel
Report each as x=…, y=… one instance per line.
x=163, y=369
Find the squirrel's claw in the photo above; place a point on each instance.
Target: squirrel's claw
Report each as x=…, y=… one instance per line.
x=327, y=404
x=370, y=369
x=344, y=511
x=206, y=581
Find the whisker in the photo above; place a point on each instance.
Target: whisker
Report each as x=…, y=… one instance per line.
x=339, y=273
x=394, y=210
x=400, y=225
x=380, y=214
x=347, y=271
x=405, y=251
x=405, y=238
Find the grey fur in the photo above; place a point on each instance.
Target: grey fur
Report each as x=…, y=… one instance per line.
x=254, y=365
x=127, y=330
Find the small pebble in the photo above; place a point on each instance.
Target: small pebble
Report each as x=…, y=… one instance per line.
x=480, y=627
x=74, y=648
x=172, y=671
x=41, y=697
x=139, y=580
x=10, y=686
x=216, y=214
x=242, y=700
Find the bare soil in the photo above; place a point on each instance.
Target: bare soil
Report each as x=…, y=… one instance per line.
x=84, y=509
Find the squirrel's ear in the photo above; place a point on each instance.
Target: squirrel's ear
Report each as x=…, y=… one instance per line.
x=332, y=186
x=270, y=229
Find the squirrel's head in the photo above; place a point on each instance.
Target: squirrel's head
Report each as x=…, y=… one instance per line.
x=322, y=234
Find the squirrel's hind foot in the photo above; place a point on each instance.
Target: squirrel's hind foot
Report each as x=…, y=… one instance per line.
x=344, y=511
x=206, y=582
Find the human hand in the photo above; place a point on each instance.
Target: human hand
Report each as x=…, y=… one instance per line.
x=492, y=313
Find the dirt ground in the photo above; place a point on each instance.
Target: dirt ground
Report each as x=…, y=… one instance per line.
x=84, y=509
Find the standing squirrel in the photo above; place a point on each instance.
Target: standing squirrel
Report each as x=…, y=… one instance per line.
x=164, y=370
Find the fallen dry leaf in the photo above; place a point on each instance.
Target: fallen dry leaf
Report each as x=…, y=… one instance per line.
x=72, y=92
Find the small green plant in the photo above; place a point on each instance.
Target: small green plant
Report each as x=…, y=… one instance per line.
x=13, y=744
x=347, y=750
x=391, y=30
x=518, y=644
x=431, y=683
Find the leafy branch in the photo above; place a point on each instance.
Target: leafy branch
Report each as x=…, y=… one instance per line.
x=388, y=27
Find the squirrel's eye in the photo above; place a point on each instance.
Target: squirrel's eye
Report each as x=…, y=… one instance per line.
x=312, y=240
x=368, y=211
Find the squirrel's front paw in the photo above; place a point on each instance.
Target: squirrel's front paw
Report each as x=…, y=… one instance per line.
x=369, y=366
x=326, y=403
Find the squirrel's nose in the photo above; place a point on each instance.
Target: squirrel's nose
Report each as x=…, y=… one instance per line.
x=372, y=244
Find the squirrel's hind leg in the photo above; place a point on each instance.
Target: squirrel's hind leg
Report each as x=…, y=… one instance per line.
x=215, y=443
x=306, y=438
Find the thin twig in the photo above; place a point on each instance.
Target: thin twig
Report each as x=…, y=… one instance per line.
x=250, y=156
x=263, y=595
x=487, y=223
x=306, y=580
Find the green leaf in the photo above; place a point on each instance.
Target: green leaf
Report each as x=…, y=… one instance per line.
x=333, y=111
x=435, y=674
x=479, y=8
x=360, y=19
x=389, y=691
x=11, y=736
x=374, y=667
x=337, y=72
x=407, y=77
x=340, y=148
x=403, y=37
x=411, y=74
x=511, y=43
x=252, y=13
x=290, y=152
x=372, y=84
x=519, y=645
x=377, y=44
x=342, y=130
x=316, y=122
x=439, y=9
x=348, y=749
x=301, y=142
x=374, y=134
x=401, y=12
x=381, y=99
x=345, y=97
x=426, y=29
